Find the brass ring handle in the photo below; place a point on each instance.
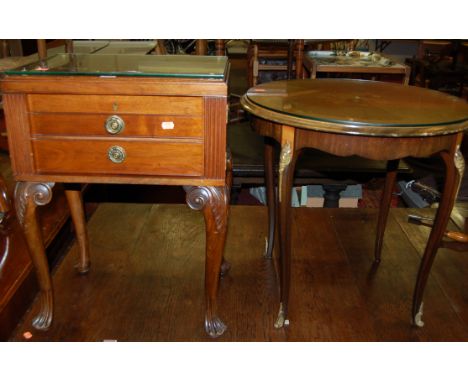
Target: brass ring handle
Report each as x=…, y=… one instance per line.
x=114, y=124
x=116, y=154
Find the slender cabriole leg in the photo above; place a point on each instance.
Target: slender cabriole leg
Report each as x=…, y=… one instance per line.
x=385, y=201
x=287, y=163
x=452, y=178
x=75, y=203
x=270, y=196
x=213, y=201
x=27, y=197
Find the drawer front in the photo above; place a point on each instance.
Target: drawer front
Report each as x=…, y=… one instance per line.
x=135, y=125
x=166, y=105
x=82, y=156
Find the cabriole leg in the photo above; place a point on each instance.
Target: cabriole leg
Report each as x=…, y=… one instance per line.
x=288, y=158
x=452, y=178
x=28, y=196
x=270, y=196
x=213, y=201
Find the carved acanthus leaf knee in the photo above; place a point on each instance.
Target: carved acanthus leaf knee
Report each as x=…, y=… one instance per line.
x=200, y=197
x=41, y=194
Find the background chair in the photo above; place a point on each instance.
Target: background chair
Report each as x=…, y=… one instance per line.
x=270, y=60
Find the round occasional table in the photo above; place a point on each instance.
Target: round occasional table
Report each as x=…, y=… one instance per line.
x=374, y=120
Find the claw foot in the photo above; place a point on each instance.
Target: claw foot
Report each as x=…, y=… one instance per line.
x=281, y=321
x=215, y=327
x=44, y=318
x=418, y=317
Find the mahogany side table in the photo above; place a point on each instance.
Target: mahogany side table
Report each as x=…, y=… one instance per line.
x=119, y=119
x=374, y=120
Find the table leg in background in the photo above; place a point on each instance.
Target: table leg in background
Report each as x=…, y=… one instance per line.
x=385, y=201
x=75, y=202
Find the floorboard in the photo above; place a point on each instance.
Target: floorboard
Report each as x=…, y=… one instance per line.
x=146, y=280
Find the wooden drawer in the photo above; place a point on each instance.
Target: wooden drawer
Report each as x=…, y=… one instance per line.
x=165, y=105
x=143, y=157
x=135, y=125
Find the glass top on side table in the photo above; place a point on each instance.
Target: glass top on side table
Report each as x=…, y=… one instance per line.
x=208, y=67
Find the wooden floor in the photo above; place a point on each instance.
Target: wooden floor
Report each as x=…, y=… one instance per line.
x=146, y=282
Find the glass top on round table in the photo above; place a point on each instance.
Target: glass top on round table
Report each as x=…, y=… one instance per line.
x=358, y=107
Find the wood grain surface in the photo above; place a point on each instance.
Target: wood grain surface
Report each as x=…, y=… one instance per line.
x=146, y=283
x=89, y=103
x=143, y=157
x=73, y=124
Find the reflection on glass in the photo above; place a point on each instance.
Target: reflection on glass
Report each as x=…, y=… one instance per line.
x=129, y=65
x=359, y=102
